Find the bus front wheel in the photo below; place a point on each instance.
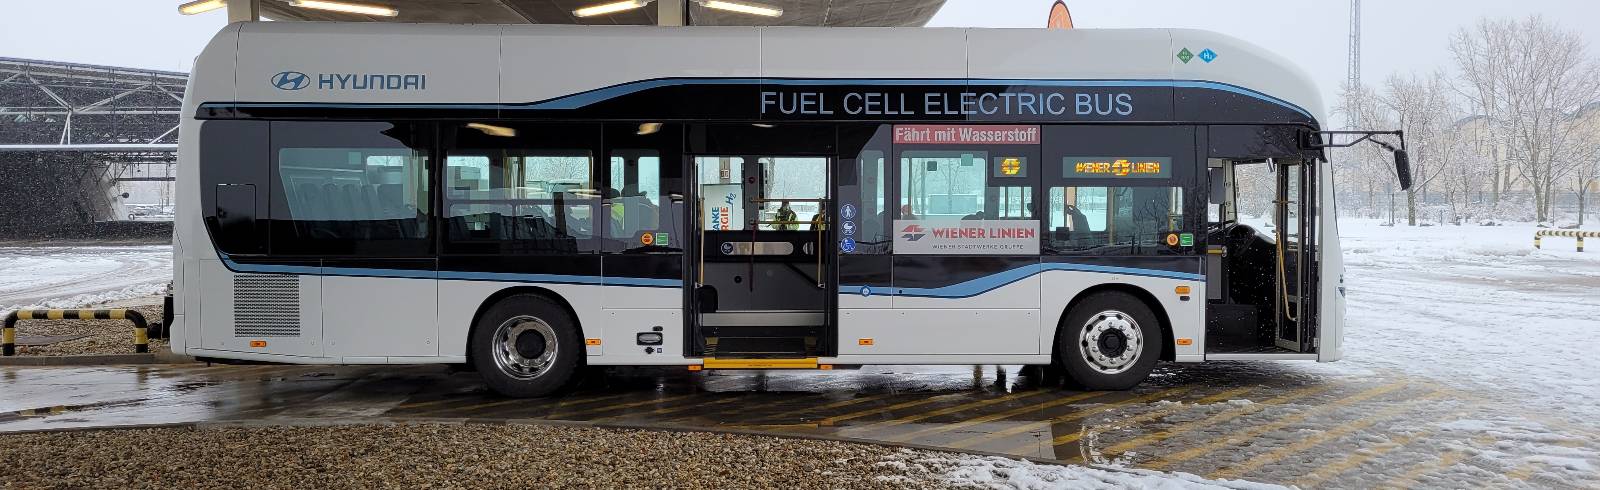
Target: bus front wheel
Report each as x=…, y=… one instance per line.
x=526, y=346
x=1109, y=341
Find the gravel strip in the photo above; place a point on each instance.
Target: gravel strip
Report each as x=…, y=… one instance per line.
x=450, y=456
x=105, y=336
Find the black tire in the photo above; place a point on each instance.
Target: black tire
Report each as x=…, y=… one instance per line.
x=1112, y=308
x=522, y=315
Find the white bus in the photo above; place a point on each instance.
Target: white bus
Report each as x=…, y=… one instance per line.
x=528, y=200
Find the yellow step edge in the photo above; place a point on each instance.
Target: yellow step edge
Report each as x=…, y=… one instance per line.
x=802, y=363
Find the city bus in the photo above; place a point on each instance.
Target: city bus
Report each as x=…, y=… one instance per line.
x=526, y=201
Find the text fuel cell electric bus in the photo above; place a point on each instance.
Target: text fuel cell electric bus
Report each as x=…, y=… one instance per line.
x=528, y=200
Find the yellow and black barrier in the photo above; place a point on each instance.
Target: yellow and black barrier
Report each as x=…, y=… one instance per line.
x=1579, y=234
x=8, y=330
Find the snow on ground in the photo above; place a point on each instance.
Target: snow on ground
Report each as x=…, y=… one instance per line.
x=80, y=276
x=1476, y=307
x=964, y=471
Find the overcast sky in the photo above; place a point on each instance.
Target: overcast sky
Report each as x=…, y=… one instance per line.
x=1409, y=35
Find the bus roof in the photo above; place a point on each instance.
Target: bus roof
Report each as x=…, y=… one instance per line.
x=525, y=64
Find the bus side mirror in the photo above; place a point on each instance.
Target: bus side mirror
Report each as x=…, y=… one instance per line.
x=1402, y=168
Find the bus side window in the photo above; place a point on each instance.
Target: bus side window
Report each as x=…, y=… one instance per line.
x=522, y=188
x=350, y=187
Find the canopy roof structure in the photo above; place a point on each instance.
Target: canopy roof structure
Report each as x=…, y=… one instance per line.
x=814, y=13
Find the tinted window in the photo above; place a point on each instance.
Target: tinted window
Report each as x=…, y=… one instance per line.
x=1133, y=220
x=520, y=189
x=643, y=175
x=344, y=188
x=969, y=184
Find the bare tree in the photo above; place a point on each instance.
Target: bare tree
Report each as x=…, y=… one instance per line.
x=1363, y=168
x=1529, y=77
x=1465, y=169
x=1586, y=173
x=1424, y=109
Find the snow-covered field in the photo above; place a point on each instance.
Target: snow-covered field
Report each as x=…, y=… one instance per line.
x=1476, y=307
x=78, y=276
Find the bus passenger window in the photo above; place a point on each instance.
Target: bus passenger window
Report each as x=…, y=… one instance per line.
x=346, y=187
x=951, y=184
x=633, y=195
x=537, y=200
x=1113, y=220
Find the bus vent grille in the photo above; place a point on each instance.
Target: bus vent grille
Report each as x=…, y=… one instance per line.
x=266, y=305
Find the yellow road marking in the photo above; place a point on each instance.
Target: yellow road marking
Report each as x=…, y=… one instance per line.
x=619, y=406
x=1253, y=432
x=997, y=416
x=840, y=418
x=1358, y=458
x=1258, y=461
x=1015, y=395
x=664, y=411
x=830, y=406
x=1045, y=424
x=1522, y=472
x=1407, y=480
x=480, y=407
x=1156, y=437
x=1226, y=395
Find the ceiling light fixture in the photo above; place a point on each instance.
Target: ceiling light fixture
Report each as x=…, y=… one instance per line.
x=201, y=6
x=648, y=128
x=751, y=8
x=493, y=130
x=610, y=8
x=349, y=8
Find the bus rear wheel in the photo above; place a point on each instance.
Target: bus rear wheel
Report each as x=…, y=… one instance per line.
x=526, y=346
x=1109, y=341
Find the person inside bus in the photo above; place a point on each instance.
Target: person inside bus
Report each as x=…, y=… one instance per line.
x=786, y=217
x=819, y=220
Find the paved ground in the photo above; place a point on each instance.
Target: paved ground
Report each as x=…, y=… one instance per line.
x=1298, y=427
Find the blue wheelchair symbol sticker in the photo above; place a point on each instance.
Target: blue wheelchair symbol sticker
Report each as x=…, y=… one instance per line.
x=848, y=245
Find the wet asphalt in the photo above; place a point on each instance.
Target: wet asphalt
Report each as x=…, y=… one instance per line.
x=1268, y=422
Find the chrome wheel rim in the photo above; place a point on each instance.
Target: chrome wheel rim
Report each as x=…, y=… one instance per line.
x=1110, y=342
x=524, y=347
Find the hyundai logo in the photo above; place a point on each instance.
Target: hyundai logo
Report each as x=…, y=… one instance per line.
x=290, y=80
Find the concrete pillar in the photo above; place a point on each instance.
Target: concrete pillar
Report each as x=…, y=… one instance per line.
x=244, y=11
x=672, y=13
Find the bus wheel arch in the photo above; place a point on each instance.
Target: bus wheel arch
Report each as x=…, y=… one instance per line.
x=1167, y=351
x=1110, y=338
x=538, y=306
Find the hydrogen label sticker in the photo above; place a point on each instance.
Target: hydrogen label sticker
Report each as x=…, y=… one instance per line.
x=848, y=245
x=848, y=211
x=848, y=228
x=866, y=290
x=1186, y=240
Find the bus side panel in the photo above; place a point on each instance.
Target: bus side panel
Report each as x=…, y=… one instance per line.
x=1330, y=333
x=1185, y=317
x=616, y=329
x=380, y=316
x=278, y=314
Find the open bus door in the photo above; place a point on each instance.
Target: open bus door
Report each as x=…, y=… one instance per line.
x=764, y=263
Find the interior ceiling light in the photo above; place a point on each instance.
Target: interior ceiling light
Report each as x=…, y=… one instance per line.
x=349, y=8
x=751, y=8
x=201, y=6
x=493, y=130
x=648, y=128
x=610, y=8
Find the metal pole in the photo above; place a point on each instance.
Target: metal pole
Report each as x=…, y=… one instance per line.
x=244, y=11
x=672, y=12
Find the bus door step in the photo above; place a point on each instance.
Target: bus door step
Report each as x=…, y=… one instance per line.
x=771, y=347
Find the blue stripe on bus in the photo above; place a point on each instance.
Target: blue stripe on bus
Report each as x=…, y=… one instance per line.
x=582, y=99
x=579, y=100
x=991, y=282
x=450, y=275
